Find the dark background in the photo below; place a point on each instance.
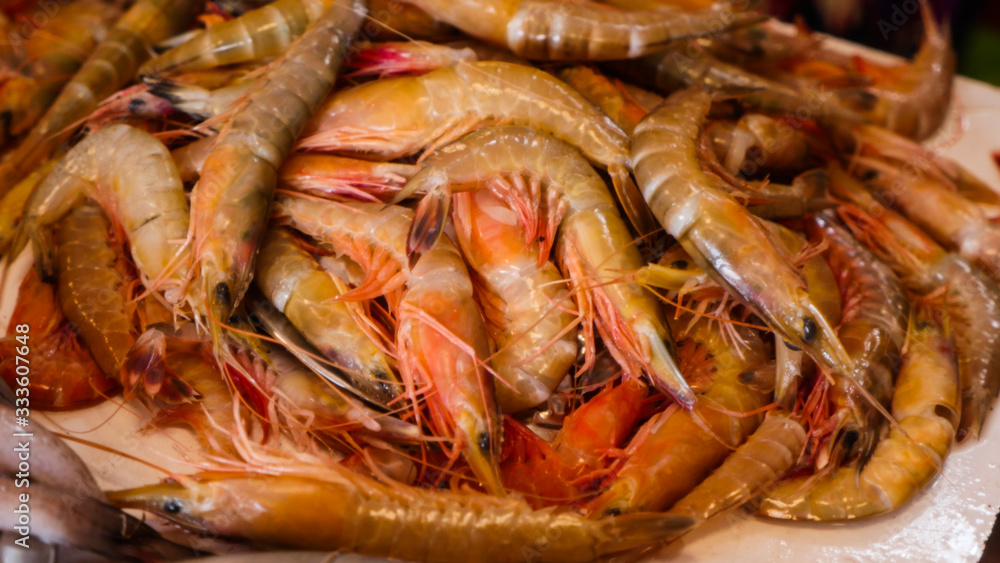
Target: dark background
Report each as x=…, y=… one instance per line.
x=975, y=26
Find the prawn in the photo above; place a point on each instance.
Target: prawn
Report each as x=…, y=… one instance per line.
x=872, y=330
x=611, y=96
x=970, y=297
x=334, y=177
x=594, y=243
x=253, y=36
x=558, y=31
x=93, y=292
x=523, y=302
x=441, y=341
x=131, y=174
x=301, y=289
x=112, y=64
x=231, y=200
x=436, y=108
x=720, y=235
x=926, y=404
x=768, y=455
x=364, y=516
x=676, y=449
x=53, y=54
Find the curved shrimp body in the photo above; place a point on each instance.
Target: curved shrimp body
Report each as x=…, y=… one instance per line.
x=720, y=234
x=54, y=54
x=582, y=31
x=301, y=289
x=90, y=288
x=914, y=100
x=676, y=449
x=111, y=66
x=13, y=204
x=231, y=200
x=872, y=330
x=132, y=175
x=970, y=297
x=768, y=454
x=436, y=108
x=595, y=246
x=441, y=340
x=926, y=404
x=363, y=516
x=253, y=36
x=526, y=304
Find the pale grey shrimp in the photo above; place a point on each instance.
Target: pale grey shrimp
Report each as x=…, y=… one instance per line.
x=397, y=117
x=582, y=31
x=231, y=200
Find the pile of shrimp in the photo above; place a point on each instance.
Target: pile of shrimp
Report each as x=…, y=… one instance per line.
x=490, y=279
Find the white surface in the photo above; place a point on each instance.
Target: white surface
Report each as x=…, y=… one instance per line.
x=949, y=521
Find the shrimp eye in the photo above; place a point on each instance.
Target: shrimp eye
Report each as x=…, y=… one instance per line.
x=172, y=506
x=485, y=443
x=222, y=293
x=613, y=512
x=679, y=264
x=792, y=347
x=869, y=175
x=135, y=105
x=809, y=330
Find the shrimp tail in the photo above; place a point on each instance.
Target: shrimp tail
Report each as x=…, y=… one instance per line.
x=145, y=368
x=429, y=220
x=632, y=201
x=187, y=99
x=630, y=531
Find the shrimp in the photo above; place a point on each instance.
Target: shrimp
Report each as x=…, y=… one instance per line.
x=93, y=293
x=912, y=100
x=872, y=331
x=255, y=35
x=231, y=200
x=926, y=404
x=300, y=288
x=436, y=108
x=13, y=203
x=53, y=54
x=408, y=57
x=131, y=174
x=675, y=450
x=943, y=213
x=110, y=67
x=63, y=374
x=367, y=517
x=768, y=454
x=720, y=235
x=594, y=243
x=971, y=299
x=558, y=31
x=525, y=304
x=441, y=341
